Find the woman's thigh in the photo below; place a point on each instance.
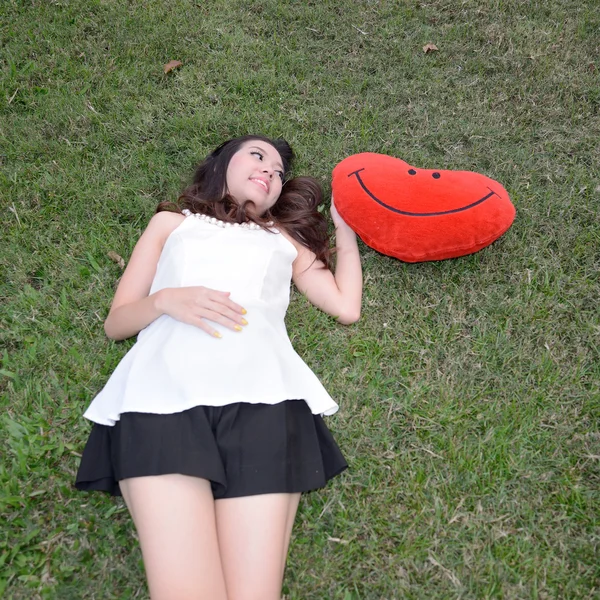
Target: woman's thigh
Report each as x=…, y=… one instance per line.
x=175, y=519
x=254, y=534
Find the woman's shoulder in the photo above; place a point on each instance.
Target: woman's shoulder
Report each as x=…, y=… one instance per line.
x=166, y=219
x=301, y=249
x=160, y=227
x=162, y=224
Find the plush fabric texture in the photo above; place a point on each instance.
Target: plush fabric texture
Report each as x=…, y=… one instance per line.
x=419, y=214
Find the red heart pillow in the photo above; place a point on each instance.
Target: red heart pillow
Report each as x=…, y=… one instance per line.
x=419, y=214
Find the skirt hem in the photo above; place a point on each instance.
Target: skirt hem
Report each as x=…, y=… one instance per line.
x=242, y=449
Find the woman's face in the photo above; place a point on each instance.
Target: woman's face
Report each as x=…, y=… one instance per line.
x=255, y=173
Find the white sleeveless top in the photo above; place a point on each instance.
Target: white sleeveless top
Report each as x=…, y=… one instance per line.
x=174, y=366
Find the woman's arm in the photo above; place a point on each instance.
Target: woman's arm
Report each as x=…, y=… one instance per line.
x=338, y=295
x=133, y=308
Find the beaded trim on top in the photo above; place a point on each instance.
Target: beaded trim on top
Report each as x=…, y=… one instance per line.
x=219, y=223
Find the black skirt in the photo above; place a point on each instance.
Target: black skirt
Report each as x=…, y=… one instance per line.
x=242, y=449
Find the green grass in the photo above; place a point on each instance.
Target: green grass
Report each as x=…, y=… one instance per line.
x=469, y=390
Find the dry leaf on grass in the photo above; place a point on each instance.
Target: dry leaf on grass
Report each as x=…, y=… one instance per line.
x=427, y=48
x=337, y=540
x=118, y=259
x=172, y=65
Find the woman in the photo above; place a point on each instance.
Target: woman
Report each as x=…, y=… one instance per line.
x=210, y=426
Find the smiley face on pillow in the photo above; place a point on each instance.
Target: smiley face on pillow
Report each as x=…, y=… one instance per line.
x=419, y=214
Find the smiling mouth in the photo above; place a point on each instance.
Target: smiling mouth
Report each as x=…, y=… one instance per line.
x=416, y=214
x=261, y=184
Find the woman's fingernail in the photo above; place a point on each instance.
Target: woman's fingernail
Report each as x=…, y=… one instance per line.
x=237, y=328
x=244, y=311
x=217, y=334
x=244, y=322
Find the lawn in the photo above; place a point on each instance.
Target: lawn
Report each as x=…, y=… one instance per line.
x=469, y=389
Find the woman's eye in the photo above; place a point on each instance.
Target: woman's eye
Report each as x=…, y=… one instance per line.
x=260, y=156
x=280, y=173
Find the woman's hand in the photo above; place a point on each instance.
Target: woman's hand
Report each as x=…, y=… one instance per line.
x=134, y=308
x=196, y=305
x=337, y=219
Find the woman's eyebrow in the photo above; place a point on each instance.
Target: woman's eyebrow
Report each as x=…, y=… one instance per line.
x=266, y=153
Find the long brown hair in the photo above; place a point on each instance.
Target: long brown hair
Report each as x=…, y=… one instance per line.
x=296, y=209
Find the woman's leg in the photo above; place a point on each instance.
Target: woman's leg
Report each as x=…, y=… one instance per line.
x=254, y=535
x=175, y=519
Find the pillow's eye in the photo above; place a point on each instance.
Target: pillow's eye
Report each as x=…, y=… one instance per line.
x=412, y=172
x=436, y=175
